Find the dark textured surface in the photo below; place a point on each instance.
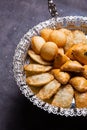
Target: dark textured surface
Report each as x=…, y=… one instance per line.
x=16, y=112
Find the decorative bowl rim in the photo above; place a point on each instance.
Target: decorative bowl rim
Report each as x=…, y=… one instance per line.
x=19, y=59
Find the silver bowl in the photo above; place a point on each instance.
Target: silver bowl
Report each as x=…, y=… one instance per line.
x=70, y=22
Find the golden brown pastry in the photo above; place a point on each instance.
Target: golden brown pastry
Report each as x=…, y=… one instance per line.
x=69, y=41
x=84, y=73
x=49, y=90
x=79, y=83
x=62, y=77
x=48, y=51
x=59, y=60
x=64, y=96
x=69, y=52
x=81, y=100
x=79, y=37
x=68, y=33
x=45, y=33
x=58, y=37
x=39, y=79
x=72, y=66
x=37, y=58
x=80, y=53
x=36, y=43
x=36, y=68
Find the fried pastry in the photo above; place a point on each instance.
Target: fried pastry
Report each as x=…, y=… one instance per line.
x=36, y=43
x=79, y=83
x=62, y=77
x=39, y=79
x=58, y=37
x=59, y=60
x=45, y=33
x=69, y=53
x=37, y=58
x=81, y=100
x=80, y=53
x=64, y=96
x=36, y=68
x=48, y=51
x=49, y=90
x=72, y=66
x=79, y=37
x=69, y=41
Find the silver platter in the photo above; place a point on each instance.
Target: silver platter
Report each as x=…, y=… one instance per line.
x=70, y=22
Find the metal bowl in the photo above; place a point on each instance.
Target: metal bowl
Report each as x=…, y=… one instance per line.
x=69, y=22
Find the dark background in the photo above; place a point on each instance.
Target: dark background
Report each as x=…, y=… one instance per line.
x=16, y=112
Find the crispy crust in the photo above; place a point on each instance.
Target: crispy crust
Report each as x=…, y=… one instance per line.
x=48, y=51
x=81, y=99
x=79, y=37
x=45, y=33
x=40, y=79
x=64, y=97
x=37, y=58
x=59, y=60
x=36, y=68
x=58, y=37
x=79, y=83
x=72, y=66
x=49, y=90
x=62, y=77
x=69, y=42
x=37, y=43
x=80, y=54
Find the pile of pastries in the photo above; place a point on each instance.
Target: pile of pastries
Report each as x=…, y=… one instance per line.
x=57, y=72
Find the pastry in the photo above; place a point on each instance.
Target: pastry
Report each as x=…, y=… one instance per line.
x=72, y=66
x=36, y=68
x=36, y=43
x=80, y=54
x=49, y=90
x=81, y=100
x=62, y=77
x=45, y=33
x=59, y=60
x=48, y=51
x=37, y=58
x=69, y=41
x=58, y=37
x=39, y=80
x=64, y=96
x=79, y=83
x=79, y=37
